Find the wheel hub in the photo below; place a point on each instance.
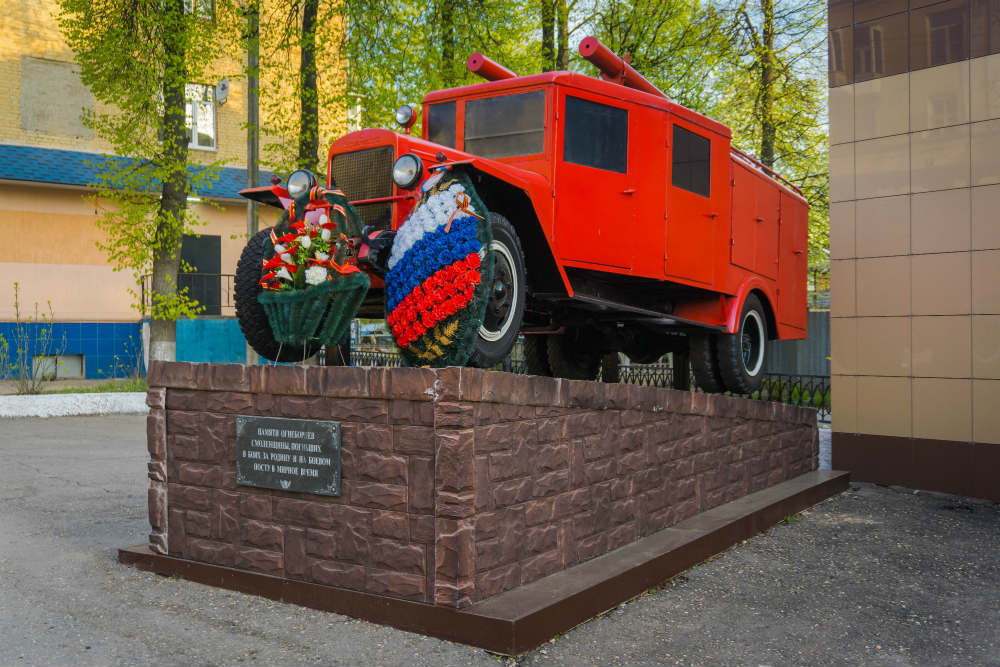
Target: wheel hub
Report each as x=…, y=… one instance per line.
x=501, y=301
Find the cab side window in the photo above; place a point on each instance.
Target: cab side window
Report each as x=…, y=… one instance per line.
x=691, y=163
x=441, y=123
x=596, y=135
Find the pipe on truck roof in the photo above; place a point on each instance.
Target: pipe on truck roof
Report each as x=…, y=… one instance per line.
x=615, y=68
x=488, y=69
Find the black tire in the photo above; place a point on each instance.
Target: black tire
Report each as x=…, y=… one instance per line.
x=743, y=355
x=573, y=355
x=536, y=355
x=705, y=363
x=249, y=313
x=680, y=369
x=609, y=367
x=505, y=307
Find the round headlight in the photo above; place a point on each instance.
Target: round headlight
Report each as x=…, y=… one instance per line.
x=407, y=170
x=405, y=115
x=300, y=182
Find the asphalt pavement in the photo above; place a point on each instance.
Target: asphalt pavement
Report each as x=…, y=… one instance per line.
x=874, y=576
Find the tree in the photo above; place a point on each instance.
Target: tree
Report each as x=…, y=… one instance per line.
x=775, y=98
x=397, y=52
x=138, y=58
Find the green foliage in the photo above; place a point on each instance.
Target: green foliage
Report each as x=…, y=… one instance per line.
x=132, y=384
x=136, y=58
x=33, y=338
x=397, y=52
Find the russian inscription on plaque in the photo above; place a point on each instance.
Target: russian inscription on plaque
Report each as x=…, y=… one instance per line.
x=288, y=454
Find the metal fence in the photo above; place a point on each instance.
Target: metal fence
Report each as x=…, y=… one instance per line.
x=213, y=292
x=804, y=390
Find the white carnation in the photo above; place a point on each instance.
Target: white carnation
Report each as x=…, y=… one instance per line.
x=315, y=275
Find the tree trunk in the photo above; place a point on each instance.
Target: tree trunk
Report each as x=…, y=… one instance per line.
x=308, y=94
x=448, y=43
x=767, y=133
x=548, y=34
x=173, y=200
x=562, y=17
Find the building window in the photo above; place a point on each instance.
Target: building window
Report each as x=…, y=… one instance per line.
x=692, y=162
x=203, y=9
x=199, y=116
x=596, y=135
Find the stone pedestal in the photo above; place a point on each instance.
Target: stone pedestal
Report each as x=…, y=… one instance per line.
x=458, y=484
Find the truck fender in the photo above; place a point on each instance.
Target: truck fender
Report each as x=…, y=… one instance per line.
x=525, y=199
x=734, y=304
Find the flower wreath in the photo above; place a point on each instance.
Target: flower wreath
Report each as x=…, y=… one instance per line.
x=439, y=268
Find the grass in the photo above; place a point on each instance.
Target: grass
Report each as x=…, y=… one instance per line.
x=129, y=384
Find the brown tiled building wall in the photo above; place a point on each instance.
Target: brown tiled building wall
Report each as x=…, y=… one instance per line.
x=915, y=242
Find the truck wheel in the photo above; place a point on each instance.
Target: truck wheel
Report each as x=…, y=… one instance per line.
x=705, y=363
x=505, y=307
x=249, y=313
x=536, y=355
x=743, y=355
x=573, y=356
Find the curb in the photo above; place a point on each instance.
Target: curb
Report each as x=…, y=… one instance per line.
x=64, y=405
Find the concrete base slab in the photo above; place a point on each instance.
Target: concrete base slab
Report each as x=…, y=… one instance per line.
x=522, y=619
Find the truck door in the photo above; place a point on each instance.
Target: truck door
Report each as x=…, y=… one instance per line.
x=694, y=209
x=594, y=208
x=793, y=258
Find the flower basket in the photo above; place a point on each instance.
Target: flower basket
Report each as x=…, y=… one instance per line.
x=322, y=311
x=349, y=292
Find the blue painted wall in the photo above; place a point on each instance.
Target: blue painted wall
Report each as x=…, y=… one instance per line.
x=109, y=349
x=215, y=340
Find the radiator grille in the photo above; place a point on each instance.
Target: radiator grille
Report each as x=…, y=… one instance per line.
x=366, y=175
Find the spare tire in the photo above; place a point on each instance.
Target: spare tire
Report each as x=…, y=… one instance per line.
x=249, y=313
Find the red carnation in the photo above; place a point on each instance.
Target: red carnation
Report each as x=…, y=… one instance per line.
x=473, y=260
x=474, y=277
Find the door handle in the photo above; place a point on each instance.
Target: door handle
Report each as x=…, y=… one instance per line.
x=713, y=216
x=628, y=191
x=799, y=252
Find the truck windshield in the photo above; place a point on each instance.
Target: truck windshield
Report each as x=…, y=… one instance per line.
x=505, y=126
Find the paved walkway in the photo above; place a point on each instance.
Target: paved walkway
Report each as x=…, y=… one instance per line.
x=875, y=576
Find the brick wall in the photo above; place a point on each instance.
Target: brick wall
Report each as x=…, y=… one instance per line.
x=457, y=483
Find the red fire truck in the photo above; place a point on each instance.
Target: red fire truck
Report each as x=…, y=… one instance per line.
x=622, y=221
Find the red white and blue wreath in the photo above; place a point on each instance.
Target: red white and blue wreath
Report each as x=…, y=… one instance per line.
x=439, y=268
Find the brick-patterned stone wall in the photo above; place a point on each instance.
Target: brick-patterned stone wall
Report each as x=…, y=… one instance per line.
x=458, y=483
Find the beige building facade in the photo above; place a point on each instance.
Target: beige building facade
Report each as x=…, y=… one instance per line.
x=46, y=164
x=915, y=242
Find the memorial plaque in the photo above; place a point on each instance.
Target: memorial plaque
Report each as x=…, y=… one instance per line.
x=288, y=454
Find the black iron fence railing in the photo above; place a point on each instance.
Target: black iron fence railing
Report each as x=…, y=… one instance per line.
x=212, y=291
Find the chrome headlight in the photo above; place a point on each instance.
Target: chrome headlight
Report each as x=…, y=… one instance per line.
x=300, y=182
x=407, y=170
x=405, y=115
